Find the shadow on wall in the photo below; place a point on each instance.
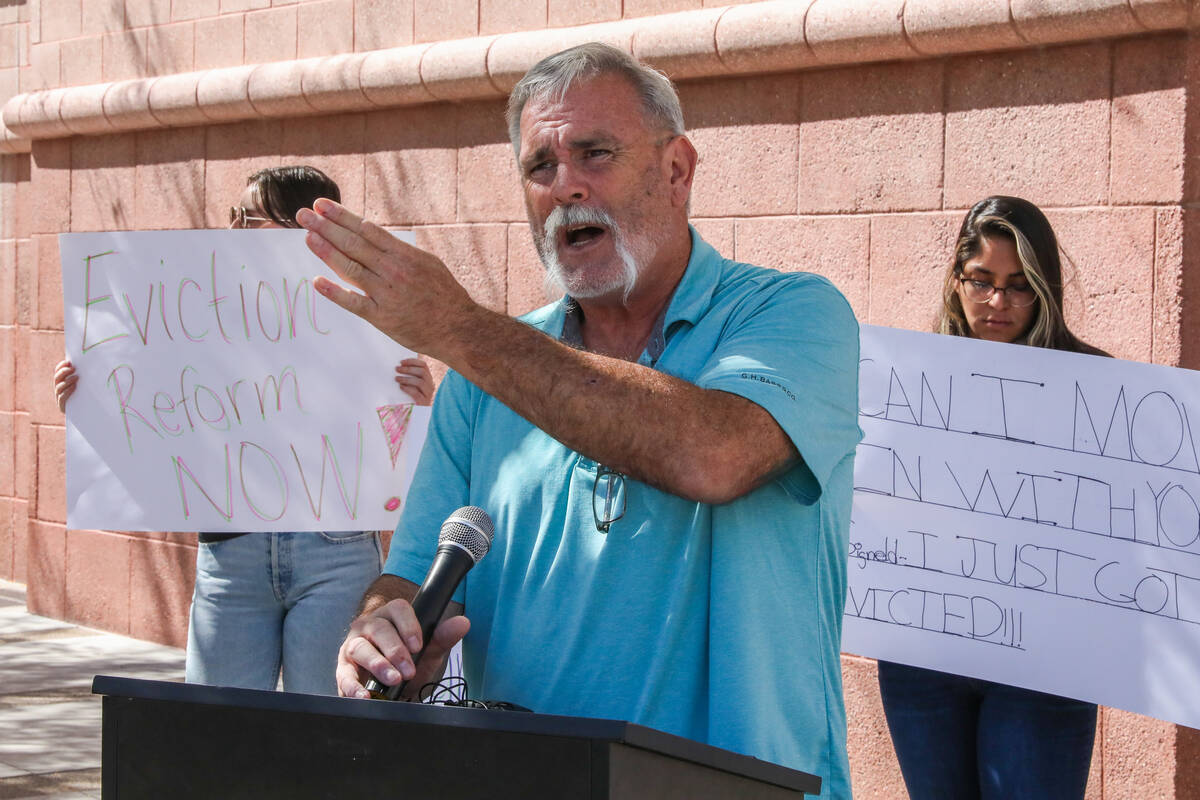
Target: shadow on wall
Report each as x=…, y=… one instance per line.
x=134, y=44
x=163, y=574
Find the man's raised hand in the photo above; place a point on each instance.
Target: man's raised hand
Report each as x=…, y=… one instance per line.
x=405, y=292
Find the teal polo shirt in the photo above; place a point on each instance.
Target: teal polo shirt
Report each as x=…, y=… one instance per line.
x=720, y=623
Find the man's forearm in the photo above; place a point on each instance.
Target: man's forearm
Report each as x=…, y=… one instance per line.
x=383, y=590
x=387, y=588
x=702, y=444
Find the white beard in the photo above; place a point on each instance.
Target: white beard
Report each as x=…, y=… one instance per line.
x=585, y=283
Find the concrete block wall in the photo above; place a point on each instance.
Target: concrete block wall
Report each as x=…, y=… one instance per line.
x=845, y=138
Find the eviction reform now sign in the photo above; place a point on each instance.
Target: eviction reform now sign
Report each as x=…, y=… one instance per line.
x=219, y=392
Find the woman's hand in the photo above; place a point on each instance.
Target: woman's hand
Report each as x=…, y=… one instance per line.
x=415, y=379
x=64, y=382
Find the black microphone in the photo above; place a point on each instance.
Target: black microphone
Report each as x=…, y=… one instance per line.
x=465, y=538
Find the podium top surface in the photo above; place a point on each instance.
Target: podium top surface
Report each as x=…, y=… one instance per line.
x=424, y=714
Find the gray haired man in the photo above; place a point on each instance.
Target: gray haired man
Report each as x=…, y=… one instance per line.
x=666, y=451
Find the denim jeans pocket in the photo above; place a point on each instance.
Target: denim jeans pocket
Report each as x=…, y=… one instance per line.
x=346, y=537
x=214, y=539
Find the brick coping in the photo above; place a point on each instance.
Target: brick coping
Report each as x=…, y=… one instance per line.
x=770, y=36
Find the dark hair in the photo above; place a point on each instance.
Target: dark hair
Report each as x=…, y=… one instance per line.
x=1022, y=223
x=280, y=192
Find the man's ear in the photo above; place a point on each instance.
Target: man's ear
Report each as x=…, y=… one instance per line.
x=680, y=158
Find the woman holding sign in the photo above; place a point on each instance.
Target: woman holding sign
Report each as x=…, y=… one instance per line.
x=957, y=737
x=271, y=601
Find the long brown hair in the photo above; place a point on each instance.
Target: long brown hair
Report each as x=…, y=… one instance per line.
x=1022, y=223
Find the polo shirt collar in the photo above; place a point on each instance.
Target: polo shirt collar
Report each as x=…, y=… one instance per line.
x=691, y=299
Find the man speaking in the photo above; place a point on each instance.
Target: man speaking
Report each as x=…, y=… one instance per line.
x=667, y=452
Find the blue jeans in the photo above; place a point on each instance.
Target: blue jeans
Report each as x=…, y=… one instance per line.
x=266, y=601
x=962, y=738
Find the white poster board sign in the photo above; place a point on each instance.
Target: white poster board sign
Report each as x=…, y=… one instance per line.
x=219, y=392
x=1030, y=517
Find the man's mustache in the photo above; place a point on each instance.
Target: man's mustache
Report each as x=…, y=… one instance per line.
x=569, y=216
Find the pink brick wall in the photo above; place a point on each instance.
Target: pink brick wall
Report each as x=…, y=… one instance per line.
x=860, y=172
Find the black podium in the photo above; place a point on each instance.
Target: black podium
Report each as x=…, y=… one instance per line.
x=181, y=741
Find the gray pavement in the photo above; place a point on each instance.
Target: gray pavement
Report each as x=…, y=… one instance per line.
x=49, y=719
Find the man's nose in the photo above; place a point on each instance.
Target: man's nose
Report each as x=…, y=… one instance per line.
x=569, y=184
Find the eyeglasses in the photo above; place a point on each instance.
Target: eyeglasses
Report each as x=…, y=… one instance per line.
x=608, y=497
x=981, y=292
x=238, y=217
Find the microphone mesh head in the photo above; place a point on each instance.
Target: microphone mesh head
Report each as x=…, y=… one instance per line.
x=469, y=528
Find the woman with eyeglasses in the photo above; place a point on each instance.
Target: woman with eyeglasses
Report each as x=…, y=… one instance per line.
x=268, y=602
x=959, y=738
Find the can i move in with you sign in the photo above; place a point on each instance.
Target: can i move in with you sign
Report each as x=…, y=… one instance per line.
x=1030, y=517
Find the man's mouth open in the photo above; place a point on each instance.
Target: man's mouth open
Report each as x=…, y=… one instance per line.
x=577, y=237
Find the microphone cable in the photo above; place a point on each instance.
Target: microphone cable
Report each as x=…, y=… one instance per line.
x=453, y=692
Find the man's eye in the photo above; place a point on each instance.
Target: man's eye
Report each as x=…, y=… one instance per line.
x=598, y=153
x=540, y=168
